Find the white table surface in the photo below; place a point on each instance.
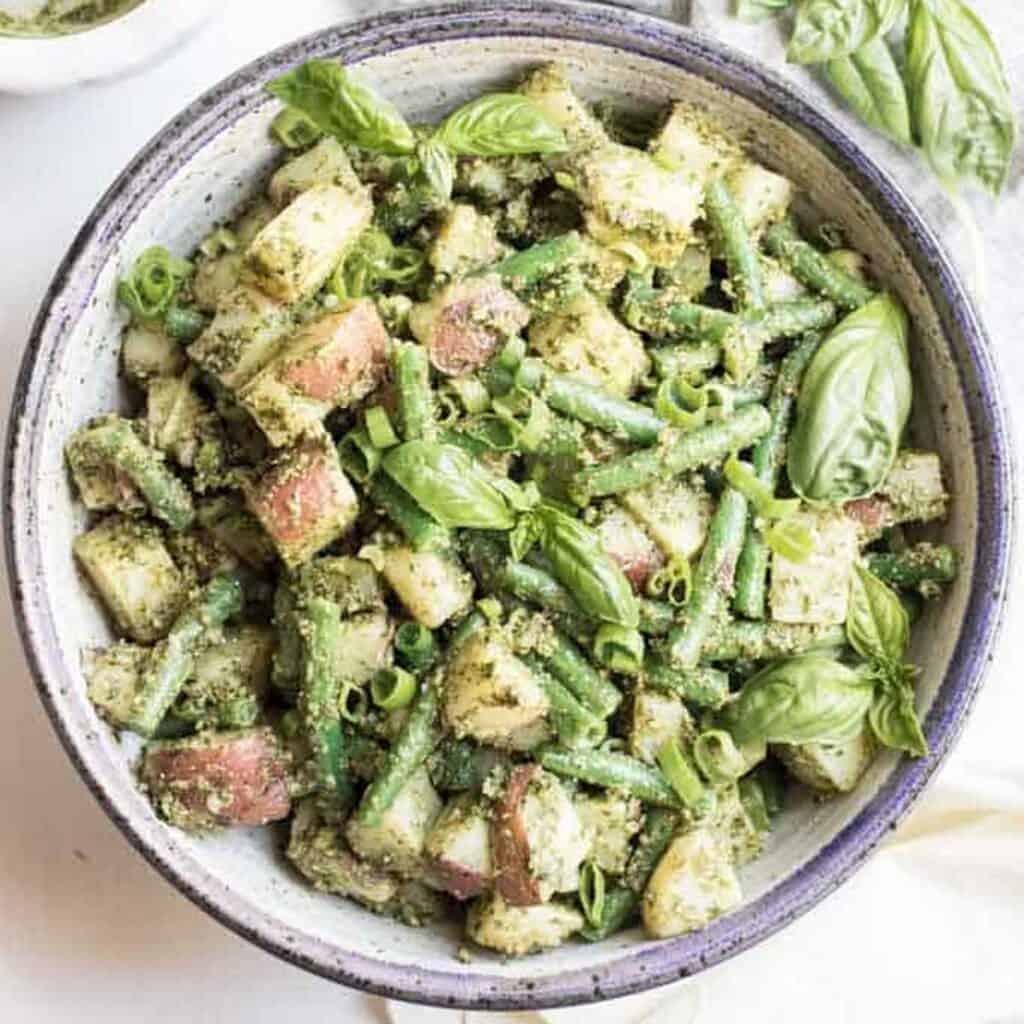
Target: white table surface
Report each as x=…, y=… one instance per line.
x=88, y=932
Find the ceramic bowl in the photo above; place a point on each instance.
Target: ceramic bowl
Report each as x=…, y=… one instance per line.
x=210, y=157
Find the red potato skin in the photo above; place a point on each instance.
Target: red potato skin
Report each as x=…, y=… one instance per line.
x=350, y=364
x=509, y=842
x=871, y=514
x=637, y=563
x=466, y=335
x=235, y=778
x=456, y=879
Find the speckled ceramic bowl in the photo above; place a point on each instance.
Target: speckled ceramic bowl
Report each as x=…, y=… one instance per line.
x=194, y=172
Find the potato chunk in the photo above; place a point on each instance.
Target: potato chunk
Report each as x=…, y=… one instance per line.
x=656, y=718
x=432, y=585
x=466, y=241
x=690, y=143
x=458, y=849
x=610, y=820
x=829, y=768
x=675, y=514
x=326, y=163
x=628, y=545
x=550, y=90
x=762, y=196
x=516, y=931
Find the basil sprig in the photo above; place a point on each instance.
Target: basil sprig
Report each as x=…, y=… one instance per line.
x=827, y=29
x=853, y=405
x=759, y=10
x=500, y=124
x=878, y=629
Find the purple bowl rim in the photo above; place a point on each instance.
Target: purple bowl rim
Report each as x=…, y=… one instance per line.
x=633, y=971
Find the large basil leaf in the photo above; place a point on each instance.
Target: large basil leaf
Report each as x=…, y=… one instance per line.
x=853, y=405
x=581, y=565
x=963, y=112
x=438, y=167
x=500, y=124
x=341, y=106
x=876, y=621
x=759, y=10
x=448, y=485
x=871, y=84
x=827, y=29
x=805, y=699
x=893, y=719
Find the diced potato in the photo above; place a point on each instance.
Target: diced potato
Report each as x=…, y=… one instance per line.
x=629, y=197
x=432, y=585
x=458, y=849
x=396, y=841
x=466, y=241
x=148, y=352
x=816, y=590
x=912, y=492
x=516, y=931
x=113, y=679
x=235, y=528
x=174, y=417
x=689, y=276
x=611, y=819
x=323, y=858
x=365, y=646
x=332, y=362
x=550, y=90
x=216, y=276
x=304, y=500
x=416, y=904
x=218, y=778
x=135, y=575
x=689, y=143
x=629, y=546
x=296, y=252
x=243, y=335
x=693, y=884
x=466, y=322
x=587, y=340
x=101, y=486
x=603, y=269
x=354, y=584
x=829, y=768
x=490, y=695
x=655, y=719
x=675, y=515
x=762, y=196
x=326, y=163
x=733, y=825
x=779, y=284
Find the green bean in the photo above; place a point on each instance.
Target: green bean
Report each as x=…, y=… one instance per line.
x=473, y=622
x=184, y=323
x=676, y=453
x=614, y=771
x=523, y=271
x=576, y=726
x=656, y=617
x=686, y=359
x=768, y=457
x=728, y=226
x=920, y=564
x=460, y=765
x=422, y=531
x=795, y=318
x=814, y=268
x=712, y=582
x=702, y=685
x=564, y=660
x=766, y=641
x=172, y=661
x=415, y=646
x=619, y=909
x=414, y=743
x=411, y=369
x=116, y=443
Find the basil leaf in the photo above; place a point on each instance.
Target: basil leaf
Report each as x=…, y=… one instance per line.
x=339, y=105
x=759, y=10
x=580, y=564
x=438, y=166
x=827, y=29
x=963, y=112
x=805, y=699
x=894, y=721
x=501, y=124
x=448, y=485
x=871, y=84
x=876, y=621
x=853, y=405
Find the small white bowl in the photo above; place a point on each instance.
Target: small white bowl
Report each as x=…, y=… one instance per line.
x=33, y=64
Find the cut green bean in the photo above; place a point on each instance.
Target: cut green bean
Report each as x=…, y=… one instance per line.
x=796, y=318
x=411, y=369
x=378, y=426
x=717, y=756
x=685, y=360
x=577, y=727
x=393, y=688
x=814, y=268
x=676, y=767
x=676, y=453
x=704, y=686
x=766, y=641
x=619, y=649
x=172, y=661
x=184, y=323
x=359, y=456
x=613, y=771
x=730, y=230
x=422, y=531
x=416, y=647
x=919, y=564
x=564, y=660
x=592, y=892
x=524, y=271
x=619, y=908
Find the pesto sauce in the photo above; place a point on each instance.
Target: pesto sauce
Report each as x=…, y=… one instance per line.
x=65, y=17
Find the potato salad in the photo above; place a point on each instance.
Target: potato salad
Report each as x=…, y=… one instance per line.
x=515, y=509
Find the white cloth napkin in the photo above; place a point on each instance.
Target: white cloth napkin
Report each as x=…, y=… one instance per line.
x=932, y=927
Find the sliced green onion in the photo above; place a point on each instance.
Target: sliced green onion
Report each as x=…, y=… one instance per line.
x=447, y=410
x=352, y=704
x=470, y=391
x=184, y=323
x=360, y=457
x=753, y=801
x=415, y=646
x=490, y=608
x=682, y=776
x=680, y=403
x=393, y=688
x=216, y=242
x=672, y=582
x=405, y=266
x=619, y=648
x=718, y=757
x=790, y=540
x=293, y=129
x=378, y=426
x=153, y=282
x=592, y=889
x=742, y=478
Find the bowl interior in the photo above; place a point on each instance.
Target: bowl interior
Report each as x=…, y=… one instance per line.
x=212, y=159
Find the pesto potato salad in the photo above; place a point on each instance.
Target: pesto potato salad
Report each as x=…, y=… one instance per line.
x=515, y=508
